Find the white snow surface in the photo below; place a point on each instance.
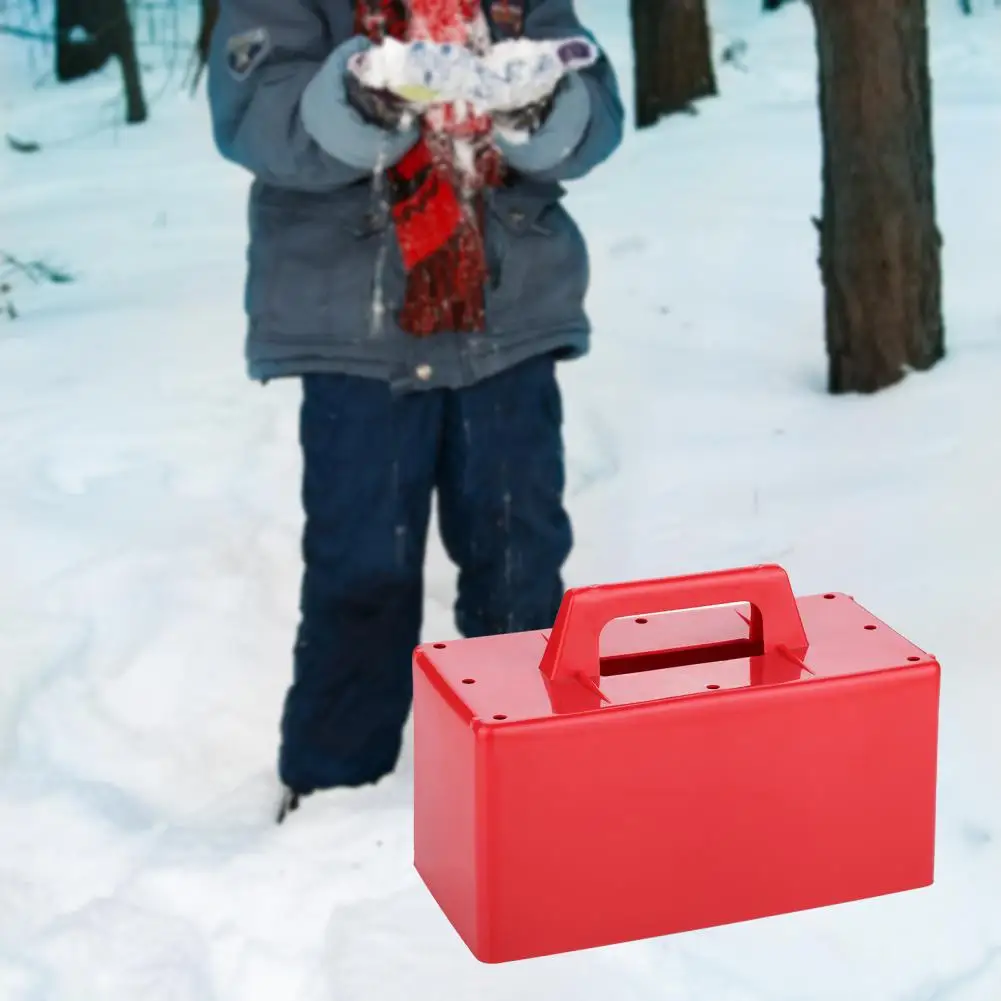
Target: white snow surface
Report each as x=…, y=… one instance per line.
x=149, y=524
x=511, y=74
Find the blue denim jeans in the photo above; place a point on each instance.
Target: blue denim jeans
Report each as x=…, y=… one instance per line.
x=492, y=454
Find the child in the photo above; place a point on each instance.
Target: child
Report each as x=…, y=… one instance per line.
x=424, y=312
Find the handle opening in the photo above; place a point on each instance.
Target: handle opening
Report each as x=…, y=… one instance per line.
x=653, y=642
x=573, y=646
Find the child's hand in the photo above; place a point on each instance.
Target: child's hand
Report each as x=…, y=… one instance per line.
x=380, y=107
x=519, y=124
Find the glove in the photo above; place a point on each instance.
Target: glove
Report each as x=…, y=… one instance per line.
x=561, y=131
x=381, y=107
x=340, y=127
x=527, y=120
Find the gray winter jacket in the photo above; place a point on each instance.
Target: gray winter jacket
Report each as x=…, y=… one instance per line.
x=325, y=277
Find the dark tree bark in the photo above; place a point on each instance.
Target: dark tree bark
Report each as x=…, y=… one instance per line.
x=124, y=46
x=83, y=45
x=880, y=248
x=210, y=14
x=673, y=53
x=686, y=66
x=88, y=34
x=646, y=20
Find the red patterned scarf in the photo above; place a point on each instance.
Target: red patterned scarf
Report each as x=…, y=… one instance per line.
x=436, y=208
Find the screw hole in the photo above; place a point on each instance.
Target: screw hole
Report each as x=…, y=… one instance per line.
x=913, y=659
x=713, y=688
x=870, y=628
x=500, y=716
x=830, y=597
x=642, y=622
x=439, y=646
x=469, y=681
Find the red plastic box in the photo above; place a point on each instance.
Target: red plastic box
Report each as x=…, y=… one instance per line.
x=668, y=773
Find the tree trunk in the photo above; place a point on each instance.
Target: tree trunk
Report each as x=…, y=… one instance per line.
x=209, y=16
x=880, y=249
x=123, y=44
x=645, y=16
x=83, y=46
x=88, y=34
x=673, y=52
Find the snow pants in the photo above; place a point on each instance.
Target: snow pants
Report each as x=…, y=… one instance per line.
x=492, y=455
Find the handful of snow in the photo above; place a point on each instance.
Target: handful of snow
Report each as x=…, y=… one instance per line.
x=510, y=75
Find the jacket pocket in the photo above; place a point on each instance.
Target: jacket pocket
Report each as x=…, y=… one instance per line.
x=538, y=261
x=321, y=266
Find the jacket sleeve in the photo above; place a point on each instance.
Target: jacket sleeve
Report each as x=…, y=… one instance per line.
x=586, y=124
x=260, y=119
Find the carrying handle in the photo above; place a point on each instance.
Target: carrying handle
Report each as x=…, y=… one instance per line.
x=573, y=647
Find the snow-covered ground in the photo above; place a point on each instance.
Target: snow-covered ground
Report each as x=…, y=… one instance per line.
x=149, y=527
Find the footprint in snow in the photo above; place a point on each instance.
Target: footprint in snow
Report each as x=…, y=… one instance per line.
x=629, y=246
